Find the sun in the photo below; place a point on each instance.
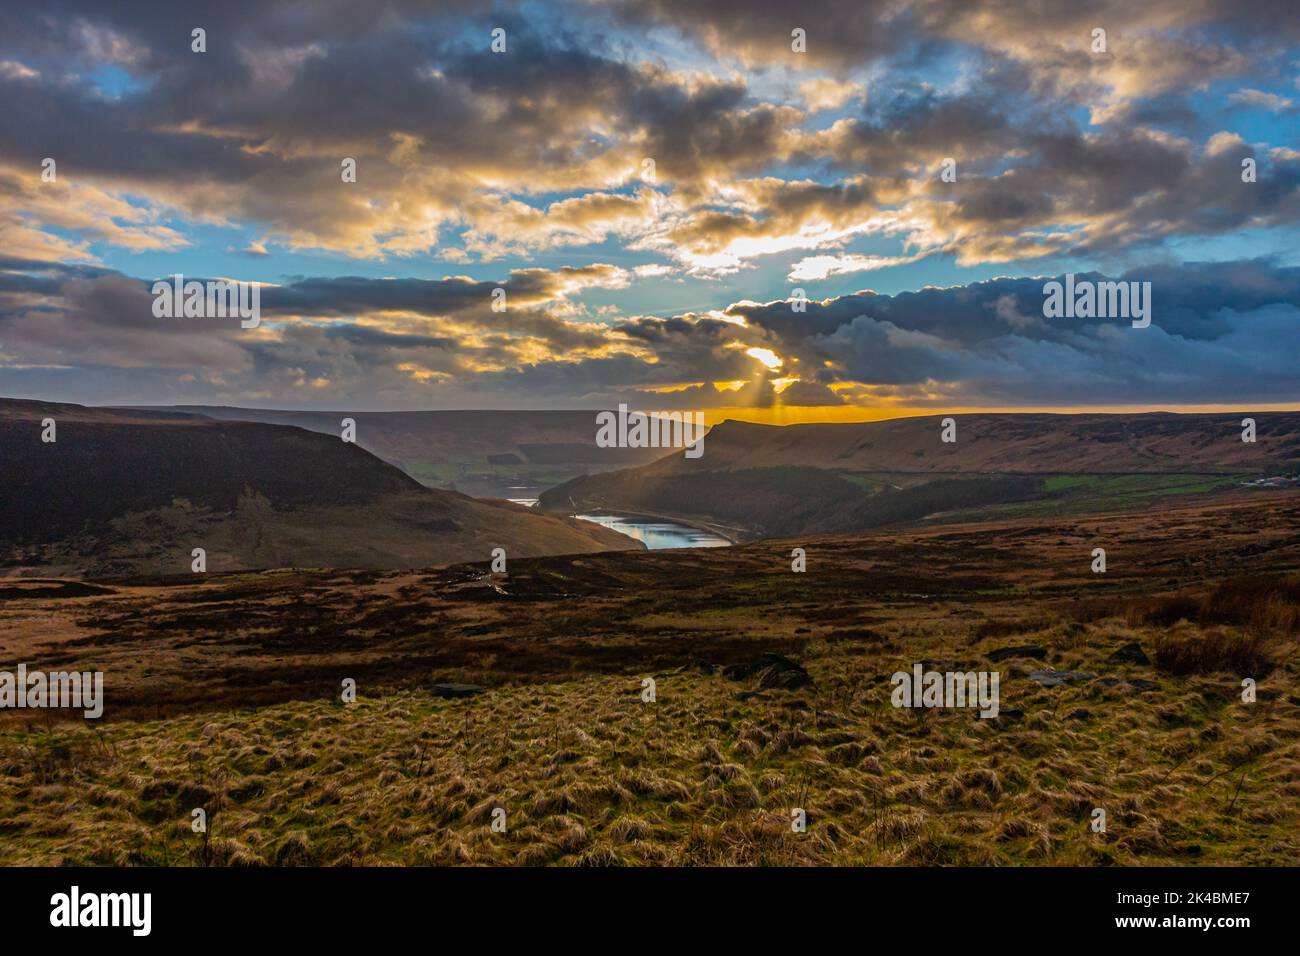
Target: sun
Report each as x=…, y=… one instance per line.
x=766, y=356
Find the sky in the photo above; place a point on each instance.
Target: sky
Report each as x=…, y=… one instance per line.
x=829, y=210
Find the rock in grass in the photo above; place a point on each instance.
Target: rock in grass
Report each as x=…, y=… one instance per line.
x=783, y=675
x=703, y=666
x=774, y=672
x=456, y=690
x=1130, y=653
x=741, y=671
x=1057, y=678
x=1025, y=650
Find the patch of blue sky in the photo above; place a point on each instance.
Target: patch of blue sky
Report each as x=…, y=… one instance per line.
x=936, y=269
x=812, y=168
x=74, y=237
x=1257, y=125
x=668, y=48
x=1253, y=121
x=1280, y=244
x=1079, y=116
x=679, y=293
x=217, y=251
x=113, y=82
x=939, y=69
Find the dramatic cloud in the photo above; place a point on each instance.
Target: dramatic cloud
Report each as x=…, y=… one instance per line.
x=634, y=176
x=1227, y=331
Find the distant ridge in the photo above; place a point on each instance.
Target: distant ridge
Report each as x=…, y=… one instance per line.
x=1030, y=443
x=471, y=450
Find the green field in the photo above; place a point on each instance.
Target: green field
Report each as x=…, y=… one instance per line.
x=1069, y=494
x=1102, y=492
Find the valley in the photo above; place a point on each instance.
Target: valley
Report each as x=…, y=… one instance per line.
x=130, y=493
x=825, y=478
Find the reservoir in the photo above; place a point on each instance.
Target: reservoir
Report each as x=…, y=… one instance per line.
x=656, y=533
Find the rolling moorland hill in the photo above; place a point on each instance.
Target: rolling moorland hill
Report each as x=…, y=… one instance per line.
x=478, y=452
x=129, y=492
x=761, y=480
x=1161, y=442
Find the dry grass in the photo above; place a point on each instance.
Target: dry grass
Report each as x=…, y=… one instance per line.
x=1268, y=605
x=1189, y=650
x=589, y=775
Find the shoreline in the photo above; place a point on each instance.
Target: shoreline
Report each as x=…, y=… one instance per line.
x=729, y=534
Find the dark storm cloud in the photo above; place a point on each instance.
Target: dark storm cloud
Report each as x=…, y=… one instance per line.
x=60, y=306
x=849, y=32
x=268, y=97
x=759, y=30
x=910, y=127
x=378, y=339
x=350, y=295
x=1192, y=300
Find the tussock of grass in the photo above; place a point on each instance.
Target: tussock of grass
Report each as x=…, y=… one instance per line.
x=1268, y=605
x=1190, y=650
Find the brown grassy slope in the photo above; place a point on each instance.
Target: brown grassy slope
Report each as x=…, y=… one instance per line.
x=133, y=492
x=587, y=773
x=403, y=530
x=205, y=643
x=1028, y=443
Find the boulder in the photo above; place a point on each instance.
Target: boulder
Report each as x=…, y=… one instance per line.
x=1130, y=653
x=773, y=671
x=1057, y=678
x=703, y=666
x=785, y=675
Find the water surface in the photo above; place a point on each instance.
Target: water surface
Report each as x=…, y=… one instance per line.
x=657, y=533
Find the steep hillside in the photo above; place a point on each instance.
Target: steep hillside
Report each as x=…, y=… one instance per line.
x=506, y=454
x=815, y=478
x=1016, y=443
x=132, y=492
x=762, y=502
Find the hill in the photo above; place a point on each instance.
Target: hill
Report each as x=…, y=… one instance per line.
x=840, y=477
x=1159, y=442
x=124, y=492
x=500, y=454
